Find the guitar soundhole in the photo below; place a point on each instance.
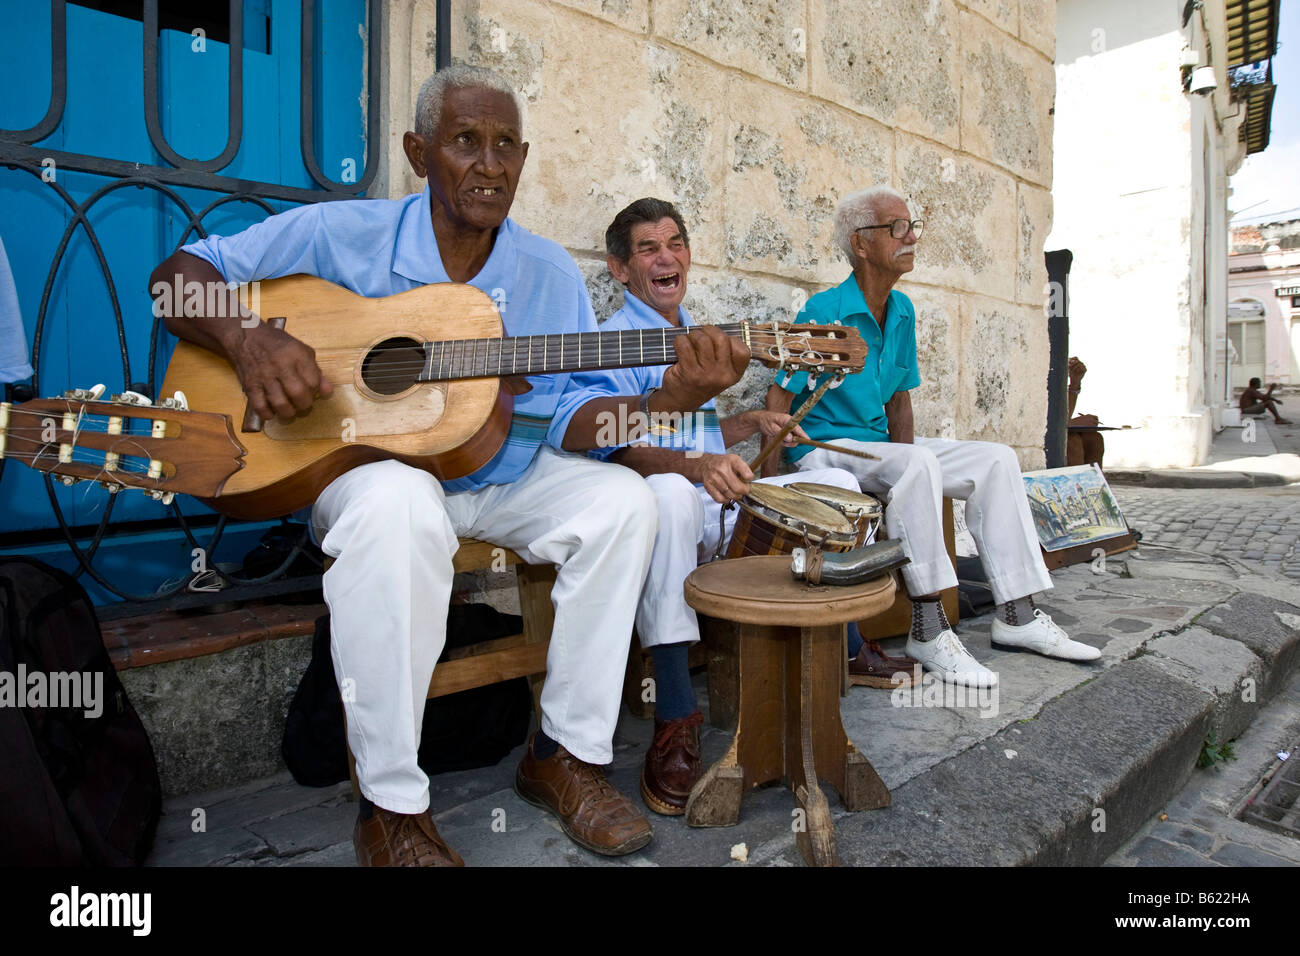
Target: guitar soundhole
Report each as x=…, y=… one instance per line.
x=392, y=365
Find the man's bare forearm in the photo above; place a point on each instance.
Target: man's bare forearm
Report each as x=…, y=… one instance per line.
x=591, y=419
x=898, y=412
x=778, y=400
x=646, y=461
x=739, y=427
x=168, y=282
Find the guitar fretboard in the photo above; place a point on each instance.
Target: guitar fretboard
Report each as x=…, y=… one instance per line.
x=540, y=354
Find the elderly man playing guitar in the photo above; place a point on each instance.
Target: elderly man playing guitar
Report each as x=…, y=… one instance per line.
x=392, y=528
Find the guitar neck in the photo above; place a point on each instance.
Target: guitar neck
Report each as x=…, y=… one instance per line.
x=548, y=354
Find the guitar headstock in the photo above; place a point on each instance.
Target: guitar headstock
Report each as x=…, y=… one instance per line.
x=816, y=349
x=123, y=443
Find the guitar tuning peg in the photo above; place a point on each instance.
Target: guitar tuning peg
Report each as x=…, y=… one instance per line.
x=177, y=401
x=69, y=480
x=132, y=397
x=85, y=394
x=164, y=496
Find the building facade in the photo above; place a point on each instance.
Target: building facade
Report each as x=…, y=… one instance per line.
x=1264, y=303
x=1151, y=120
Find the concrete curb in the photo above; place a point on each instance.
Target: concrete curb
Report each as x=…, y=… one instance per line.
x=1029, y=795
x=1189, y=478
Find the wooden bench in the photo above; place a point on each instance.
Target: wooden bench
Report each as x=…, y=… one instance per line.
x=898, y=619
x=520, y=655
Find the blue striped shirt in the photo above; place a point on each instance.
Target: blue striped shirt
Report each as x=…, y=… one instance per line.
x=381, y=247
x=694, y=432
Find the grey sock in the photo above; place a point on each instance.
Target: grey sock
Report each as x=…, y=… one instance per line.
x=1017, y=612
x=928, y=620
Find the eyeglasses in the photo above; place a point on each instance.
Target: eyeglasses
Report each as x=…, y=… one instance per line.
x=899, y=228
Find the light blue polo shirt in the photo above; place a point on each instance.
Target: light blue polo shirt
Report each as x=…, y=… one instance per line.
x=856, y=408
x=696, y=432
x=379, y=247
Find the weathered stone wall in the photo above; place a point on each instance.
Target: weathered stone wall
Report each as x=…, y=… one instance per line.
x=756, y=116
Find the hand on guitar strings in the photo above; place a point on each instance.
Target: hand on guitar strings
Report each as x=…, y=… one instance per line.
x=279, y=373
x=725, y=477
x=708, y=362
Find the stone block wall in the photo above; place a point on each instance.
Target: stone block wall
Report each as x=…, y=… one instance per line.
x=756, y=117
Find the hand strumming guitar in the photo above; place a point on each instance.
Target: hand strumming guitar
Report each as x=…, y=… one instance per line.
x=278, y=373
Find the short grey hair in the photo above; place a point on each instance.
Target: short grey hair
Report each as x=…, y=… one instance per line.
x=857, y=210
x=428, y=105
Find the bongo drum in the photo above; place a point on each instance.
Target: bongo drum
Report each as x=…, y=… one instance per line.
x=775, y=520
x=862, y=510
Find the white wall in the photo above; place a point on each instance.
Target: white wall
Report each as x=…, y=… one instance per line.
x=1149, y=239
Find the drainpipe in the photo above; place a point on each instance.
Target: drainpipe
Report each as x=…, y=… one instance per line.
x=442, y=45
x=1058, y=339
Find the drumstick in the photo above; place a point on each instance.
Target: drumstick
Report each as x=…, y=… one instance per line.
x=797, y=417
x=839, y=448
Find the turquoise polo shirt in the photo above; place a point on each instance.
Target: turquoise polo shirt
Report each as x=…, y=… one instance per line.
x=856, y=409
x=379, y=247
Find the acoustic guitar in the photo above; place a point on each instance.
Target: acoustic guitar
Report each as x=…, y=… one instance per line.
x=417, y=377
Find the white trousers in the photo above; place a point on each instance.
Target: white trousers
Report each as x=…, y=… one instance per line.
x=393, y=532
x=688, y=535
x=914, y=480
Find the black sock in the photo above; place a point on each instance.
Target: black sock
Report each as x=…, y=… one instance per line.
x=674, y=695
x=544, y=746
x=367, y=809
x=928, y=620
x=1017, y=612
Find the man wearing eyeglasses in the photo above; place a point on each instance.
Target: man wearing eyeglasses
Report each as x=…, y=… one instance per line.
x=872, y=412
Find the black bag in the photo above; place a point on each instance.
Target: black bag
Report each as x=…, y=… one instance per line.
x=75, y=790
x=462, y=731
x=974, y=596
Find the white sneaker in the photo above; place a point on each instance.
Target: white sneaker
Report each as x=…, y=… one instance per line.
x=1045, y=636
x=947, y=659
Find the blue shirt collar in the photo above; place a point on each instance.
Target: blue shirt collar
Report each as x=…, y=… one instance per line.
x=416, y=256
x=643, y=312
x=853, y=303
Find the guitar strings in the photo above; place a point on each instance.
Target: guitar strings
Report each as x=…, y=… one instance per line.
x=457, y=355
x=128, y=448
x=553, y=351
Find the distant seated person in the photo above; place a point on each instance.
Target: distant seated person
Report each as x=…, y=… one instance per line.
x=1255, y=402
x=1083, y=447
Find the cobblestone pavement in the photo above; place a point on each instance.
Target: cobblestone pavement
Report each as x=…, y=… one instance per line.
x=1200, y=827
x=1248, y=524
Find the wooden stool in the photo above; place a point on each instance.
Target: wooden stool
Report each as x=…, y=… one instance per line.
x=789, y=725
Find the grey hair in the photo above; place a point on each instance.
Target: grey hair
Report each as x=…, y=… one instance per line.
x=857, y=210
x=428, y=105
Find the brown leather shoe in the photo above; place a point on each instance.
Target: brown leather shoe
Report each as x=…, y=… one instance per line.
x=591, y=812
x=874, y=668
x=401, y=839
x=672, y=765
